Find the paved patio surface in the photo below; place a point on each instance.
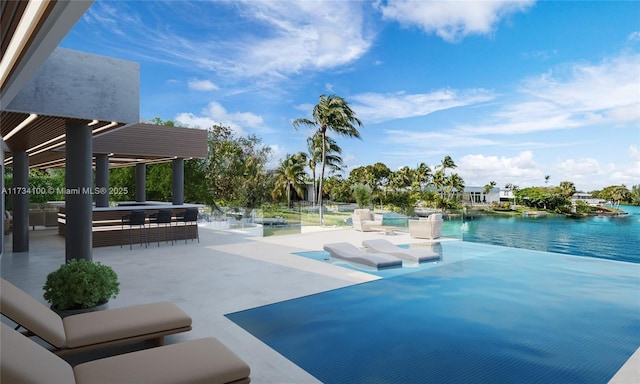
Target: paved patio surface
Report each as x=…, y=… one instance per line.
x=228, y=271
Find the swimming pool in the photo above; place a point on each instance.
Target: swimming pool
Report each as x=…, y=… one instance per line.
x=489, y=314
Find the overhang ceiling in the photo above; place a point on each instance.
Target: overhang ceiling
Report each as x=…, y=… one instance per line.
x=44, y=141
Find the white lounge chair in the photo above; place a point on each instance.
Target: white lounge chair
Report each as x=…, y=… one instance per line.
x=426, y=228
x=415, y=254
x=349, y=252
x=364, y=220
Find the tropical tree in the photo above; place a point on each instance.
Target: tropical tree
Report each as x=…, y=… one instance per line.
x=635, y=194
x=567, y=188
x=332, y=113
x=290, y=174
x=514, y=190
x=333, y=158
x=489, y=187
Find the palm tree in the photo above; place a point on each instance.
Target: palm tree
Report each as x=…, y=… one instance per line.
x=488, y=188
x=332, y=113
x=513, y=188
x=289, y=174
x=333, y=157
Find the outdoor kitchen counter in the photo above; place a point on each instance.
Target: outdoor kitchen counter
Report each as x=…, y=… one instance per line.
x=107, y=225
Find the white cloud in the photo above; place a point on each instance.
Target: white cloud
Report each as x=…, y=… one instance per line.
x=301, y=35
x=479, y=169
x=202, y=85
x=378, y=107
x=215, y=113
x=452, y=20
x=567, y=98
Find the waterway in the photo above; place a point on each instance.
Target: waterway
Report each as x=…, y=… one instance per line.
x=607, y=237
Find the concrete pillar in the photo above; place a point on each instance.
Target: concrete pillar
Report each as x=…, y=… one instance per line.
x=177, y=167
x=78, y=199
x=141, y=182
x=102, y=180
x=20, y=201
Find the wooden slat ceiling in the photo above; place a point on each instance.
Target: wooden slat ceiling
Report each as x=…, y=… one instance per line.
x=125, y=145
x=12, y=12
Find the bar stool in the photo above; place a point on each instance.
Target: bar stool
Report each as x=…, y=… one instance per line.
x=135, y=219
x=190, y=215
x=163, y=216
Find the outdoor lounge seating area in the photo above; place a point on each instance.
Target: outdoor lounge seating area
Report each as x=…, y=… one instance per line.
x=91, y=330
x=364, y=220
x=349, y=252
x=196, y=361
x=204, y=360
x=385, y=246
x=426, y=227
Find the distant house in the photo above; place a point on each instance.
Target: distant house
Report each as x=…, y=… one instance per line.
x=476, y=195
x=587, y=198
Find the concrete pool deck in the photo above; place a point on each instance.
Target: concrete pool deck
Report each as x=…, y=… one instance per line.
x=228, y=271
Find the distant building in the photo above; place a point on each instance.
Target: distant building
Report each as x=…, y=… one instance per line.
x=587, y=198
x=476, y=195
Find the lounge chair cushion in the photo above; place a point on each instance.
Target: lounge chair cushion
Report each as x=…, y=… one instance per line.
x=197, y=361
x=385, y=246
x=350, y=252
x=32, y=314
x=122, y=323
x=23, y=361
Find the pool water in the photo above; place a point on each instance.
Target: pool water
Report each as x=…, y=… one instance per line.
x=486, y=314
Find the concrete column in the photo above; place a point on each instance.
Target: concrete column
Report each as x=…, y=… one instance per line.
x=102, y=181
x=141, y=182
x=177, y=167
x=78, y=200
x=20, y=201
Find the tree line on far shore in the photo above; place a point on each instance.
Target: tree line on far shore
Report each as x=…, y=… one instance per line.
x=235, y=174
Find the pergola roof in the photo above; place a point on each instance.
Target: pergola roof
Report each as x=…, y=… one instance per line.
x=43, y=138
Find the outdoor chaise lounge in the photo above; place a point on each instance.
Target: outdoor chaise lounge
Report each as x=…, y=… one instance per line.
x=363, y=220
x=349, y=252
x=196, y=361
x=426, y=227
x=385, y=246
x=93, y=329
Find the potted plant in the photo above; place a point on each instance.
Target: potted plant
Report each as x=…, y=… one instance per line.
x=80, y=285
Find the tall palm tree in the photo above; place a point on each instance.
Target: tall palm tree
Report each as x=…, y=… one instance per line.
x=332, y=113
x=290, y=174
x=333, y=157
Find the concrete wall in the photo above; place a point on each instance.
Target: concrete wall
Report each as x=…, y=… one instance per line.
x=78, y=84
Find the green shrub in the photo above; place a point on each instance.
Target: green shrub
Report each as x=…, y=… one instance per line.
x=81, y=284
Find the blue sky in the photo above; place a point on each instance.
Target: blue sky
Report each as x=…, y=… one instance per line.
x=511, y=90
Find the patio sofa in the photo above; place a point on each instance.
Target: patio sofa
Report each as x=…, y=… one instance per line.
x=197, y=361
x=91, y=330
x=364, y=220
x=426, y=227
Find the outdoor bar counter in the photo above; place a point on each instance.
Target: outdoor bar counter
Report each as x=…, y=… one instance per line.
x=107, y=226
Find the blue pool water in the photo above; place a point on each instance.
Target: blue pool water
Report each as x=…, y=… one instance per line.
x=485, y=314
x=608, y=237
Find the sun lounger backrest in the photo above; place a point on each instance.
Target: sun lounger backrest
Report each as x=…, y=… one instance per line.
x=31, y=314
x=24, y=361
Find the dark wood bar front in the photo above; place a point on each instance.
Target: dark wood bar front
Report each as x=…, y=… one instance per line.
x=108, y=230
